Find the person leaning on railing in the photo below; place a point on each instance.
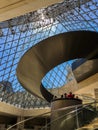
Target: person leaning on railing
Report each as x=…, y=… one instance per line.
x=70, y=95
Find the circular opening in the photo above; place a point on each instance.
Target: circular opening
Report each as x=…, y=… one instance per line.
x=58, y=76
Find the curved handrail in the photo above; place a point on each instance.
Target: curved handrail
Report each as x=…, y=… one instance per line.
x=89, y=98
x=76, y=111
x=60, y=109
x=27, y=120
x=85, y=96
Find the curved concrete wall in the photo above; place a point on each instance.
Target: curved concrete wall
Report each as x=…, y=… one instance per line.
x=51, y=52
x=7, y=109
x=60, y=120
x=64, y=102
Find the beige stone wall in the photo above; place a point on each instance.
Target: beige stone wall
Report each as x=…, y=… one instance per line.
x=89, y=81
x=88, y=86
x=7, y=109
x=69, y=87
x=13, y=8
x=36, y=112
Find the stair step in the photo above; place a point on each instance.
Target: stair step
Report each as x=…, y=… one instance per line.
x=92, y=126
x=85, y=128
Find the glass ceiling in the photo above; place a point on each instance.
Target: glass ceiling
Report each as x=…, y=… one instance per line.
x=17, y=35
x=58, y=76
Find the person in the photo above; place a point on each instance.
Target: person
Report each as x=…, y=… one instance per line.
x=70, y=95
x=65, y=95
x=76, y=97
x=62, y=96
x=54, y=97
x=73, y=96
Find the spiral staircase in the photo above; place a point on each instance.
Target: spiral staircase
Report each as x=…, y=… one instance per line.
x=44, y=61
x=77, y=22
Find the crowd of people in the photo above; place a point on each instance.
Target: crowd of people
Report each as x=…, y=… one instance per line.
x=70, y=95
